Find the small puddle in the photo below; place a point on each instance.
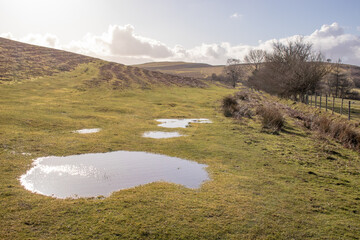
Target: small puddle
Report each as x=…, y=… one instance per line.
x=159, y=135
x=100, y=174
x=180, y=123
x=88, y=130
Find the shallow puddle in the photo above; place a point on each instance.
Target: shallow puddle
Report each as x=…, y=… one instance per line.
x=159, y=135
x=100, y=174
x=88, y=130
x=180, y=123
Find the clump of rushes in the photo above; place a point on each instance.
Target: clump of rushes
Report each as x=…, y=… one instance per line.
x=239, y=105
x=343, y=131
x=271, y=117
x=229, y=106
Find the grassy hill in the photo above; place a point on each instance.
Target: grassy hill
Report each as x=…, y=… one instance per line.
x=292, y=185
x=21, y=61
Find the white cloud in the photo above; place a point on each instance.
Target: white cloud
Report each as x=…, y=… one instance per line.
x=334, y=43
x=235, y=15
x=122, y=44
x=125, y=42
x=7, y=35
x=47, y=40
x=329, y=30
x=120, y=41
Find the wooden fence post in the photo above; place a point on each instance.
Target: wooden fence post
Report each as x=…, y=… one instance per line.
x=310, y=100
x=342, y=104
x=315, y=99
x=320, y=102
x=333, y=105
x=326, y=102
x=349, y=110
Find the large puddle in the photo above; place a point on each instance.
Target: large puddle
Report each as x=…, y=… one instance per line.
x=159, y=134
x=180, y=123
x=100, y=174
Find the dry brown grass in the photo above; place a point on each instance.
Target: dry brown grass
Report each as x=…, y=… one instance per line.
x=20, y=61
x=327, y=125
x=248, y=104
x=271, y=117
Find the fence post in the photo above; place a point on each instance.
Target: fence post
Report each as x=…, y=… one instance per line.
x=320, y=102
x=349, y=110
x=333, y=105
x=342, y=104
x=315, y=99
x=310, y=100
x=326, y=102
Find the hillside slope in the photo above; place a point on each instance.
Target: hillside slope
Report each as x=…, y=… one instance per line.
x=118, y=76
x=21, y=61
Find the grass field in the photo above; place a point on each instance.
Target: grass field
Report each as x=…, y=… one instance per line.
x=294, y=185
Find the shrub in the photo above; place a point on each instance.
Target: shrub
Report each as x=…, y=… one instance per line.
x=271, y=117
x=229, y=106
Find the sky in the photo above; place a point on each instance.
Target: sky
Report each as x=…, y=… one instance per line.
x=138, y=31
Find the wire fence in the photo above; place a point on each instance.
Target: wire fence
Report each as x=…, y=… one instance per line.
x=346, y=107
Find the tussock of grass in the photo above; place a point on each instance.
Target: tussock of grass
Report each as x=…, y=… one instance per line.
x=271, y=117
x=229, y=106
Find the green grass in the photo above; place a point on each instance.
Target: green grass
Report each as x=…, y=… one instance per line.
x=294, y=185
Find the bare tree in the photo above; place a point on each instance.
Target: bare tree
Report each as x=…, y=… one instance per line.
x=233, y=71
x=338, y=82
x=291, y=69
x=255, y=57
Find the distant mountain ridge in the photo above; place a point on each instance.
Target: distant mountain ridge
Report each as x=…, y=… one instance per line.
x=196, y=70
x=205, y=71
